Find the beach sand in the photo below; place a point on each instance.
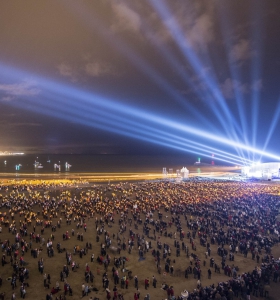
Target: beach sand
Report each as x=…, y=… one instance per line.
x=143, y=269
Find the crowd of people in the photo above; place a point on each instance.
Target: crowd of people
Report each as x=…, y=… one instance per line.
x=205, y=224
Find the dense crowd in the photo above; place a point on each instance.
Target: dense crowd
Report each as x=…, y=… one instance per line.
x=164, y=220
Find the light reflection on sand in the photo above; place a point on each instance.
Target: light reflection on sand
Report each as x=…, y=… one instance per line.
x=223, y=172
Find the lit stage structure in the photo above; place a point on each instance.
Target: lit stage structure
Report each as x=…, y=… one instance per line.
x=262, y=170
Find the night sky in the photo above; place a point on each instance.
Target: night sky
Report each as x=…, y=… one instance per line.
x=115, y=76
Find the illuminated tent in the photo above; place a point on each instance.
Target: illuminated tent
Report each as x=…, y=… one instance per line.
x=185, y=172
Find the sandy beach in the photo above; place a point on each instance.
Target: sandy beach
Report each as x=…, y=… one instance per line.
x=114, y=188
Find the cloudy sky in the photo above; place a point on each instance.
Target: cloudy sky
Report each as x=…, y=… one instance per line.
x=114, y=76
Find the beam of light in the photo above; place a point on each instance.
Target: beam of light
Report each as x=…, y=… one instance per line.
x=257, y=33
x=142, y=116
x=180, y=70
x=100, y=105
x=100, y=118
x=124, y=122
x=66, y=113
x=94, y=22
x=255, y=70
x=209, y=136
x=113, y=113
x=139, y=63
x=235, y=74
x=70, y=92
x=116, y=115
x=177, y=34
x=83, y=111
x=274, y=122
